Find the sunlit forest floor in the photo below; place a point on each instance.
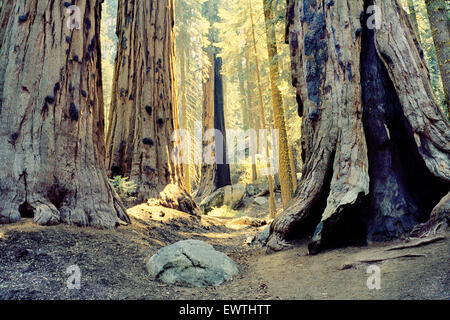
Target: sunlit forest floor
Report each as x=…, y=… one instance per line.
x=34, y=260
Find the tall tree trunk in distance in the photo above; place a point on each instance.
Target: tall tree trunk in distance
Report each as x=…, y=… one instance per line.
x=272, y=203
x=254, y=121
x=375, y=143
x=184, y=119
x=285, y=66
x=292, y=166
x=284, y=167
x=244, y=105
x=222, y=177
x=440, y=29
x=51, y=118
x=217, y=175
x=208, y=170
x=144, y=113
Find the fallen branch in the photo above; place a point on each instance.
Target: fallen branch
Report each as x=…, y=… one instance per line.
x=346, y=266
x=420, y=243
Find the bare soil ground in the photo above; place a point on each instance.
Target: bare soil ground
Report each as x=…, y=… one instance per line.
x=34, y=260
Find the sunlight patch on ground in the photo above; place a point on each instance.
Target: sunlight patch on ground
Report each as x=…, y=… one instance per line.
x=215, y=235
x=158, y=213
x=225, y=212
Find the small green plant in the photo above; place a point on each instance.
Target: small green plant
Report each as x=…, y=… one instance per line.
x=125, y=188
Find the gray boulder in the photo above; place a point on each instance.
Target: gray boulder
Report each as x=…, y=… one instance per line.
x=261, y=201
x=191, y=263
x=263, y=236
x=230, y=196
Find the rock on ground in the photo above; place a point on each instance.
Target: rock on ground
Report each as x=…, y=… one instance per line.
x=261, y=201
x=230, y=196
x=263, y=236
x=191, y=263
x=177, y=198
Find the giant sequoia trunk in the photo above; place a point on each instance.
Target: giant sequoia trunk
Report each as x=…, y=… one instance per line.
x=143, y=113
x=375, y=144
x=51, y=117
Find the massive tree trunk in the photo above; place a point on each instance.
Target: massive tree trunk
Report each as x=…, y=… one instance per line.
x=51, y=117
x=375, y=144
x=144, y=113
x=284, y=163
x=440, y=29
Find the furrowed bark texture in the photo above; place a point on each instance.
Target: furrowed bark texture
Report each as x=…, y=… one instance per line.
x=51, y=117
x=375, y=145
x=144, y=113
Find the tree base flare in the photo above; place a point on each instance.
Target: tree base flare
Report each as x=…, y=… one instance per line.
x=375, y=144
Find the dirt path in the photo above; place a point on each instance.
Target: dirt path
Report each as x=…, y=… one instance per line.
x=33, y=263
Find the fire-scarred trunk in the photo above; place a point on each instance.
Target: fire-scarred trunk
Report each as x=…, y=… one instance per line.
x=143, y=115
x=375, y=144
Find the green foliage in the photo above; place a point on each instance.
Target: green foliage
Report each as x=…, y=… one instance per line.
x=191, y=32
x=427, y=44
x=124, y=187
x=235, y=43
